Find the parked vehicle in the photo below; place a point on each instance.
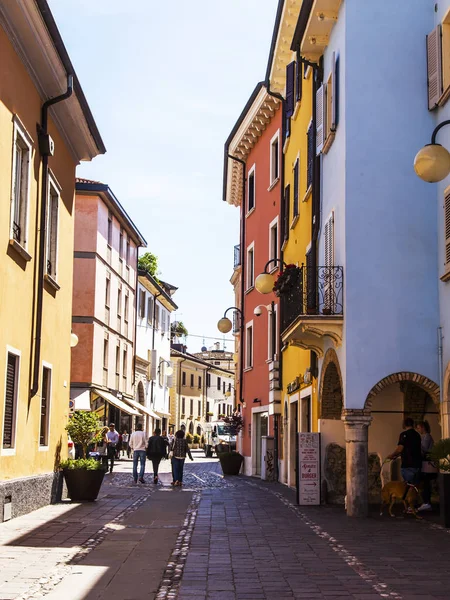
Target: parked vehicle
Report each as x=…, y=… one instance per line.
x=219, y=437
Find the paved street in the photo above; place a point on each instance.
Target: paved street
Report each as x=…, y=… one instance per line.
x=216, y=539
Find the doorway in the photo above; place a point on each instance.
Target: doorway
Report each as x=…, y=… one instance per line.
x=305, y=419
x=293, y=441
x=261, y=429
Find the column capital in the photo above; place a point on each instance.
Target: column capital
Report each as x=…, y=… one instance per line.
x=356, y=417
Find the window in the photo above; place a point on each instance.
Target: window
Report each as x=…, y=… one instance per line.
x=105, y=361
x=183, y=378
x=310, y=141
x=119, y=302
x=107, y=290
x=142, y=304
x=183, y=406
x=287, y=202
x=121, y=244
x=110, y=227
x=156, y=324
x=192, y=407
x=229, y=387
x=163, y=321
x=272, y=337
x=45, y=406
x=217, y=362
x=199, y=408
x=330, y=106
x=320, y=113
x=275, y=158
x=223, y=387
x=11, y=395
x=199, y=383
x=251, y=190
x=52, y=229
x=117, y=366
x=290, y=89
x=125, y=308
x=208, y=380
x=150, y=310
x=434, y=64
x=20, y=184
x=296, y=190
x=251, y=265
x=125, y=365
x=273, y=241
x=249, y=346
x=192, y=380
x=219, y=383
x=127, y=258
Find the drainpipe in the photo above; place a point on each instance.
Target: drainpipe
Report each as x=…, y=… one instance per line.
x=45, y=151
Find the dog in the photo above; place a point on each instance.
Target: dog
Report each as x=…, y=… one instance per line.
x=400, y=490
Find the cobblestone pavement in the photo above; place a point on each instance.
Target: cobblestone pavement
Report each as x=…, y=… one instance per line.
x=216, y=539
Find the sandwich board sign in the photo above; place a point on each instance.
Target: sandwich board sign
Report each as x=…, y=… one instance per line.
x=309, y=469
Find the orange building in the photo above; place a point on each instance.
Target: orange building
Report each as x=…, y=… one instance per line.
x=253, y=182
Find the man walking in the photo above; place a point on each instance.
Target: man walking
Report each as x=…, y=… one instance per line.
x=138, y=445
x=156, y=451
x=409, y=448
x=113, y=439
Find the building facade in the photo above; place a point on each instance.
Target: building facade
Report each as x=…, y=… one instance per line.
x=252, y=182
x=218, y=357
x=37, y=184
x=155, y=306
x=104, y=306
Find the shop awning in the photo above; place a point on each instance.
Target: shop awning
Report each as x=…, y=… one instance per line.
x=163, y=414
x=142, y=408
x=83, y=401
x=120, y=404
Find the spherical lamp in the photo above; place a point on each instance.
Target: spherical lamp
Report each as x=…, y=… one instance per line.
x=432, y=163
x=227, y=394
x=224, y=325
x=264, y=283
x=169, y=371
x=73, y=340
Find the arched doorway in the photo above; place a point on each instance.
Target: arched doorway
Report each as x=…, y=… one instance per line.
x=199, y=430
x=191, y=428
x=332, y=431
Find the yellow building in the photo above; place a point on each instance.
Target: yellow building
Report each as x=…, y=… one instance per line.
x=290, y=77
x=37, y=181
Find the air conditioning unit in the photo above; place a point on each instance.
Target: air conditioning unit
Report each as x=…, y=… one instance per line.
x=307, y=376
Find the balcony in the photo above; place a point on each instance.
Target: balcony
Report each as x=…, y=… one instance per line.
x=313, y=309
x=237, y=256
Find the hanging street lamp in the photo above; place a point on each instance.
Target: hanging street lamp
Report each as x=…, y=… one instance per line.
x=265, y=281
x=432, y=162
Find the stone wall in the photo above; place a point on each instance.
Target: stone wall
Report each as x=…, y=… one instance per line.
x=30, y=493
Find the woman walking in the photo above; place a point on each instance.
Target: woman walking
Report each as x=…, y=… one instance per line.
x=179, y=448
x=429, y=471
x=102, y=448
x=156, y=451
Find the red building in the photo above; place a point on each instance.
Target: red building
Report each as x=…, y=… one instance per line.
x=253, y=182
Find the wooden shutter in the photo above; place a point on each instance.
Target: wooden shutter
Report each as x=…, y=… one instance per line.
x=447, y=229
x=310, y=156
x=290, y=89
x=434, y=66
x=296, y=186
x=298, y=95
x=310, y=281
x=329, y=242
x=319, y=119
x=333, y=92
x=10, y=399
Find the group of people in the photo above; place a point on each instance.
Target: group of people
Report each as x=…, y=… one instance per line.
x=156, y=448
x=414, y=445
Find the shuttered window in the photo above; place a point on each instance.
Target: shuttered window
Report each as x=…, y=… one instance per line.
x=9, y=418
x=296, y=186
x=184, y=378
x=45, y=406
x=447, y=230
x=290, y=89
x=287, y=201
x=192, y=407
x=310, y=140
x=192, y=381
x=149, y=309
x=329, y=242
x=434, y=65
x=298, y=92
x=320, y=124
x=52, y=231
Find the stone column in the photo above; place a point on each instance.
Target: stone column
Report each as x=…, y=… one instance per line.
x=356, y=436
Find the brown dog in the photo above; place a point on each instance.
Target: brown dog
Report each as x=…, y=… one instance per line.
x=395, y=490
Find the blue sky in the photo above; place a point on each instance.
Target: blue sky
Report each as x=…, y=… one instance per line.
x=166, y=82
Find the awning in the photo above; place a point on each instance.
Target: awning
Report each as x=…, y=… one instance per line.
x=117, y=403
x=142, y=408
x=82, y=401
x=163, y=414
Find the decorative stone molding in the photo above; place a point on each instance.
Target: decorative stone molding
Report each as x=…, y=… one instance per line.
x=310, y=332
x=427, y=384
x=330, y=387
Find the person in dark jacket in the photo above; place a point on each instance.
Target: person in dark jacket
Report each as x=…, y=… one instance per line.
x=179, y=448
x=156, y=451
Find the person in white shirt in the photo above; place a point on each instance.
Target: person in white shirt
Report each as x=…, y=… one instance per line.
x=138, y=443
x=113, y=439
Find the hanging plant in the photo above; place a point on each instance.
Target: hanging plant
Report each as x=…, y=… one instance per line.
x=287, y=280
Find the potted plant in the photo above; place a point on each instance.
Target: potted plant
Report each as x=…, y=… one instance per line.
x=83, y=476
x=288, y=280
x=196, y=440
x=440, y=455
x=189, y=438
x=231, y=461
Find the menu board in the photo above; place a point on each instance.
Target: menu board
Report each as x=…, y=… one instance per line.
x=309, y=467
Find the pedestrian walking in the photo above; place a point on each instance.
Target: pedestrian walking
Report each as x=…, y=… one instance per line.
x=180, y=448
x=429, y=471
x=125, y=443
x=156, y=451
x=409, y=447
x=102, y=448
x=165, y=437
x=138, y=443
x=113, y=440
x=119, y=447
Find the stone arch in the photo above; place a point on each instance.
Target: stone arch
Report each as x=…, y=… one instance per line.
x=141, y=393
x=191, y=428
x=331, y=390
x=421, y=381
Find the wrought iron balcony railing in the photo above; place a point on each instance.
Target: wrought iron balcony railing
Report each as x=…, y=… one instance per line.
x=316, y=291
x=237, y=256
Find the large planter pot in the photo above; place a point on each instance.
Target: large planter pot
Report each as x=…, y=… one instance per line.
x=444, y=498
x=231, y=462
x=83, y=485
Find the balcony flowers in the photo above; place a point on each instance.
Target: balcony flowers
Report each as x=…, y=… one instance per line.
x=287, y=280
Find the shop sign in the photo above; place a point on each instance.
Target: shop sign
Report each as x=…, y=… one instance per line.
x=309, y=468
x=293, y=386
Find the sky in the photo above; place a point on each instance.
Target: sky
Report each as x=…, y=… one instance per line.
x=166, y=82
